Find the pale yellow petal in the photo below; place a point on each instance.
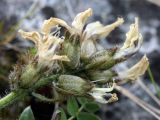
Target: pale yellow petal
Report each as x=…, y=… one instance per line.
x=91, y=29
x=33, y=36
x=79, y=21
x=52, y=22
x=132, y=36
x=100, y=30
x=137, y=70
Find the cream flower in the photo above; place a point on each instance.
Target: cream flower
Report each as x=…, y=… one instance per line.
x=132, y=43
x=77, y=24
x=95, y=28
x=99, y=30
x=79, y=21
x=92, y=32
x=136, y=71
x=46, y=46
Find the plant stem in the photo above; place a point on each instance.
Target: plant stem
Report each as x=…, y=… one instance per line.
x=20, y=93
x=10, y=98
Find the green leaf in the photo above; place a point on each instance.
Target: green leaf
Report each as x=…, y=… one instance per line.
x=87, y=116
x=63, y=115
x=27, y=114
x=92, y=107
x=89, y=105
x=82, y=100
x=72, y=106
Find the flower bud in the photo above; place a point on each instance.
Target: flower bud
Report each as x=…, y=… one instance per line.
x=102, y=77
x=29, y=76
x=101, y=60
x=68, y=84
x=71, y=48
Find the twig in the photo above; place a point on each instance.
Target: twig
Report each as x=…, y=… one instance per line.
x=136, y=100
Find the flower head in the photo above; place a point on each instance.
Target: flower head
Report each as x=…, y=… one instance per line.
x=85, y=70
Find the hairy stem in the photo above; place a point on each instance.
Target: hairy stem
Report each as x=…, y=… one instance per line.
x=20, y=93
x=10, y=98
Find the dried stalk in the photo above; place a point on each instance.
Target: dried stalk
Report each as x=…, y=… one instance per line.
x=148, y=92
x=136, y=100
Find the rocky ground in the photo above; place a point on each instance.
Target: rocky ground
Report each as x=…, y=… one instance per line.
x=106, y=11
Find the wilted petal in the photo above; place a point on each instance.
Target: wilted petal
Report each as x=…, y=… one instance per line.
x=52, y=22
x=132, y=43
x=33, y=36
x=136, y=71
x=80, y=19
x=100, y=30
x=132, y=36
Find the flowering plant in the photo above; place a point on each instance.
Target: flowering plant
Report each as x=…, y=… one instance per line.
x=70, y=59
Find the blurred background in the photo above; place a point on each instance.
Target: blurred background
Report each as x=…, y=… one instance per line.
x=30, y=14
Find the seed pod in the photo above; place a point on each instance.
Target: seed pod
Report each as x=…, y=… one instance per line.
x=74, y=85
x=102, y=77
x=71, y=48
x=101, y=60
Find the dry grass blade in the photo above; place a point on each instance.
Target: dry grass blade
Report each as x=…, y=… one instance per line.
x=143, y=86
x=137, y=101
